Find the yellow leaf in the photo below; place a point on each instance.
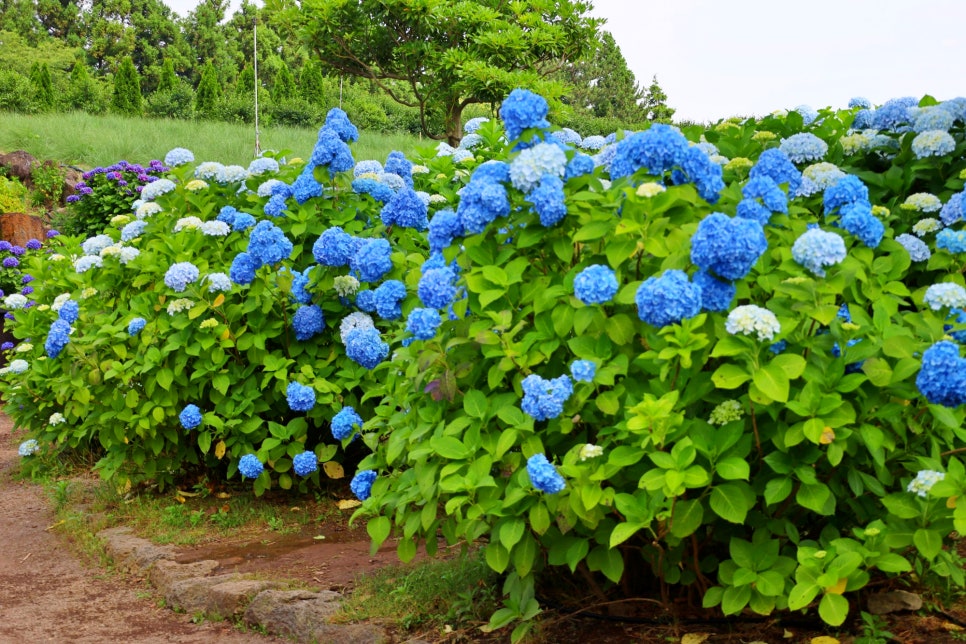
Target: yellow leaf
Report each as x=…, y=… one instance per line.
x=333, y=469
x=179, y=498
x=348, y=504
x=951, y=502
x=837, y=588
x=225, y=334
x=951, y=627
x=223, y=495
x=219, y=300
x=828, y=435
x=694, y=638
x=824, y=639
x=220, y=449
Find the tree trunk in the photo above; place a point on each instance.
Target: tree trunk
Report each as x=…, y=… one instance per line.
x=454, y=124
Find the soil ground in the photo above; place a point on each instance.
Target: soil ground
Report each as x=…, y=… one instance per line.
x=48, y=595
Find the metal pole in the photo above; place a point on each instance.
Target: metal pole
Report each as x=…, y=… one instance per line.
x=258, y=149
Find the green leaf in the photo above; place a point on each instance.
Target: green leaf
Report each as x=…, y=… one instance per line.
x=539, y=518
x=731, y=501
x=778, y=489
x=164, y=378
x=902, y=505
x=791, y=364
x=686, y=518
x=620, y=329
x=608, y=561
x=833, y=609
x=497, y=557
x=624, y=531
x=733, y=468
x=772, y=382
x=204, y=442
x=815, y=497
x=511, y=531
x=928, y=542
x=878, y=371
x=449, y=447
x=734, y=599
x=378, y=529
x=406, y=550
x=729, y=376
x=802, y=594
x=475, y=403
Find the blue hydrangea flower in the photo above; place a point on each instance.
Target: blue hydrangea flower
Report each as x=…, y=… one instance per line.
x=443, y=229
x=544, y=399
x=262, y=165
x=179, y=275
x=69, y=311
x=242, y=221
x=372, y=260
x=366, y=347
x=952, y=240
x=134, y=326
x=366, y=300
x=775, y=164
x=933, y=143
x=437, y=288
x=815, y=249
x=305, y=463
x=267, y=244
x=583, y=370
x=924, y=481
x=857, y=218
x=933, y=118
x=361, y=484
x=423, y=323
x=398, y=164
x=474, y=124
x=334, y=247
x=29, y=447
x=753, y=210
x=893, y=114
x=368, y=166
x=243, y=269
x=945, y=294
x=942, y=379
x=593, y=142
x=338, y=120
x=522, y=110
x=481, y=202
x=532, y=164
x=952, y=210
x=300, y=397
x=726, y=246
x=859, y=101
x=578, y=166
x=250, y=467
x=275, y=205
x=958, y=316
x=657, y=149
x=543, y=475
x=917, y=249
x=299, y=283
x=178, y=156
x=345, y=423
x=218, y=282
x=847, y=190
x=596, y=284
x=374, y=188
x=667, y=299
x=332, y=152
x=818, y=177
x=407, y=210
x=807, y=113
x=93, y=245
x=863, y=119
x=764, y=187
x=307, y=322
x=190, y=416
x=716, y=295
x=388, y=299
x=305, y=187
x=548, y=200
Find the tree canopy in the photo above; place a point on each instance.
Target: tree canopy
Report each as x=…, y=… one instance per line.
x=441, y=56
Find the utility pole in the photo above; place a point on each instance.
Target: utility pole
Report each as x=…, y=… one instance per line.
x=258, y=148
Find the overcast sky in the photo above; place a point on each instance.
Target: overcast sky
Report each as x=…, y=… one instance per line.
x=717, y=58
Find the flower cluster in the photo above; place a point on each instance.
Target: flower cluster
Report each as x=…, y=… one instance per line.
x=300, y=397
x=726, y=246
x=543, y=475
x=583, y=370
x=946, y=294
x=544, y=399
x=190, y=416
x=361, y=484
x=667, y=298
x=250, y=467
x=924, y=481
x=816, y=249
x=305, y=463
x=345, y=423
x=803, y=147
x=942, y=379
x=596, y=284
x=179, y=275
x=749, y=318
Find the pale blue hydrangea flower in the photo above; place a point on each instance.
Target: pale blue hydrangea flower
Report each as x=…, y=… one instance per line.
x=804, y=146
x=266, y=188
x=817, y=177
x=933, y=143
x=543, y=475
x=128, y=254
x=232, y=174
x=16, y=301
x=583, y=370
x=860, y=101
x=924, y=481
x=945, y=294
x=353, y=321
x=933, y=118
x=917, y=249
x=749, y=318
x=474, y=124
x=593, y=142
x=133, y=229
x=262, y=165
x=209, y=170
x=179, y=275
x=87, y=262
x=18, y=366
x=926, y=225
x=855, y=142
x=178, y=156
x=215, y=228
x=923, y=202
x=367, y=166
x=808, y=113
x=218, y=282
x=533, y=163
x=28, y=448
x=952, y=210
x=816, y=249
x=94, y=245
x=155, y=189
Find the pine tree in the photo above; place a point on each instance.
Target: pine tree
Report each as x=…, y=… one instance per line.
x=168, y=80
x=43, y=88
x=127, y=89
x=245, y=84
x=208, y=92
x=312, y=85
x=83, y=93
x=284, y=89
x=655, y=103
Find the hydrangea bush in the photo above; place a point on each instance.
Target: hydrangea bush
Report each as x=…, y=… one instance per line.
x=721, y=361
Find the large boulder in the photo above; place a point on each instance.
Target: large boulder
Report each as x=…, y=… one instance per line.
x=19, y=164
x=18, y=227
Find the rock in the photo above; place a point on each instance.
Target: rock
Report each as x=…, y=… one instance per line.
x=191, y=595
x=18, y=227
x=130, y=552
x=292, y=613
x=351, y=634
x=231, y=598
x=165, y=572
x=893, y=601
x=19, y=164
x=72, y=177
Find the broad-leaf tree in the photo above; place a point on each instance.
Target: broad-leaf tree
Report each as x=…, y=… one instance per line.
x=441, y=56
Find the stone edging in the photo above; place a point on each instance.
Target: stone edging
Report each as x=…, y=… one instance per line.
x=300, y=615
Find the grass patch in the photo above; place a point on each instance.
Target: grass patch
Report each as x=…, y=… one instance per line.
x=443, y=595
x=87, y=140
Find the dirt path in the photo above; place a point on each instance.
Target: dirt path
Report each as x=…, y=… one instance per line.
x=47, y=595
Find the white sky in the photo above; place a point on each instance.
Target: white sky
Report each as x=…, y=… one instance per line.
x=721, y=58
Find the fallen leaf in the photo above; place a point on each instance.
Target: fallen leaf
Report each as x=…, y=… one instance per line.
x=348, y=504
x=319, y=537
x=949, y=626
x=695, y=638
x=333, y=469
x=223, y=495
x=824, y=639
